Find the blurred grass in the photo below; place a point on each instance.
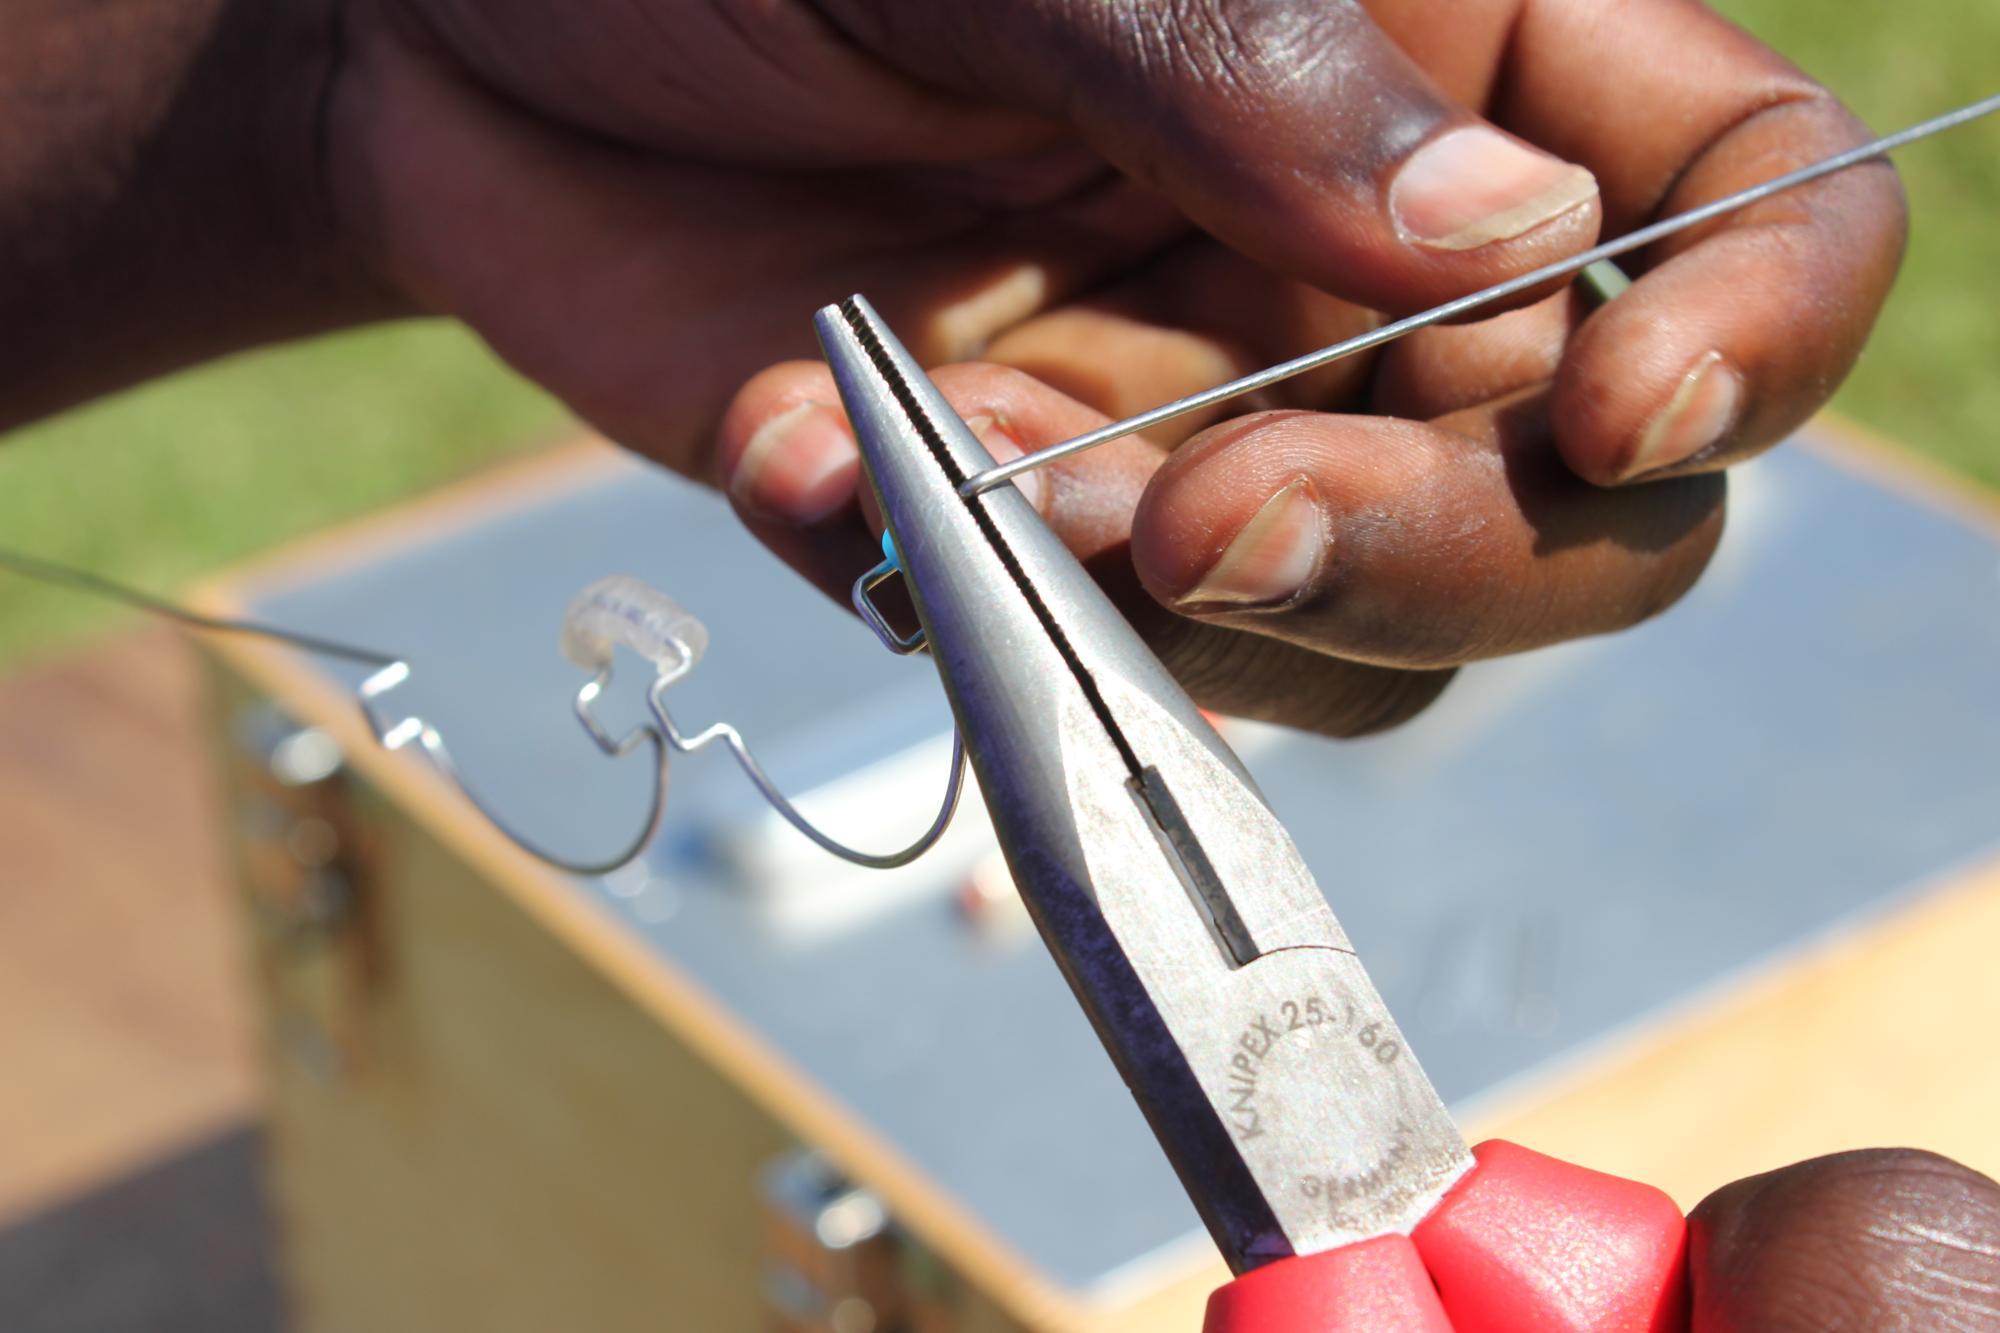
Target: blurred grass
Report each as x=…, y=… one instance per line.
x=1931, y=375
x=164, y=483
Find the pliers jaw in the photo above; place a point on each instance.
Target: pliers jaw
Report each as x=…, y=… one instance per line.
x=1169, y=894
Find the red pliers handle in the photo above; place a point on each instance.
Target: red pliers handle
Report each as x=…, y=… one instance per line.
x=1522, y=1244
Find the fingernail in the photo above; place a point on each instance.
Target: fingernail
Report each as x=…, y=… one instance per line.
x=959, y=330
x=1273, y=558
x=1475, y=185
x=1000, y=442
x=799, y=466
x=1703, y=409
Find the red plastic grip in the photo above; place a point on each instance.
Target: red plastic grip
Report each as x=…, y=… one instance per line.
x=1376, y=1286
x=1528, y=1244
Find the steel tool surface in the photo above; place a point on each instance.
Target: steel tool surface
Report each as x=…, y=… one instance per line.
x=1319, y=1156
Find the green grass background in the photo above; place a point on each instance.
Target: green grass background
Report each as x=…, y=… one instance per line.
x=158, y=485
x=161, y=484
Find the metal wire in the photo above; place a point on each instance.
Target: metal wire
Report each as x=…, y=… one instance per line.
x=392, y=671
x=1637, y=240
x=729, y=736
x=400, y=733
x=664, y=735
x=82, y=580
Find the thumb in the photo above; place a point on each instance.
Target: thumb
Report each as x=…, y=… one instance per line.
x=1295, y=131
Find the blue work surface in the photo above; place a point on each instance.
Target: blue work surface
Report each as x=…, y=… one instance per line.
x=1568, y=843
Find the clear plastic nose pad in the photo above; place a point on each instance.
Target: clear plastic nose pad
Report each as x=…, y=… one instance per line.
x=622, y=612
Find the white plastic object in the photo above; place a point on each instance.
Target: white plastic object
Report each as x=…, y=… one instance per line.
x=622, y=611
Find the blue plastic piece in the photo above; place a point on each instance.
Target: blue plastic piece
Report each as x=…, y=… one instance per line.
x=889, y=549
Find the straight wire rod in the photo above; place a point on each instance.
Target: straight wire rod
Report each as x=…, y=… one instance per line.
x=63, y=576
x=1645, y=236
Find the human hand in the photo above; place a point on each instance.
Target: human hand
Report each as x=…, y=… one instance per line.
x=639, y=211
x=1860, y=1241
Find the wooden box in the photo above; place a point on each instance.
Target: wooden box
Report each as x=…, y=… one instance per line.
x=1682, y=904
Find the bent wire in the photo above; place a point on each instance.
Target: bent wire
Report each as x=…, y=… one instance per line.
x=621, y=611
x=613, y=612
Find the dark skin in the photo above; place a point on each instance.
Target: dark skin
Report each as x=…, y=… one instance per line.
x=1106, y=204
